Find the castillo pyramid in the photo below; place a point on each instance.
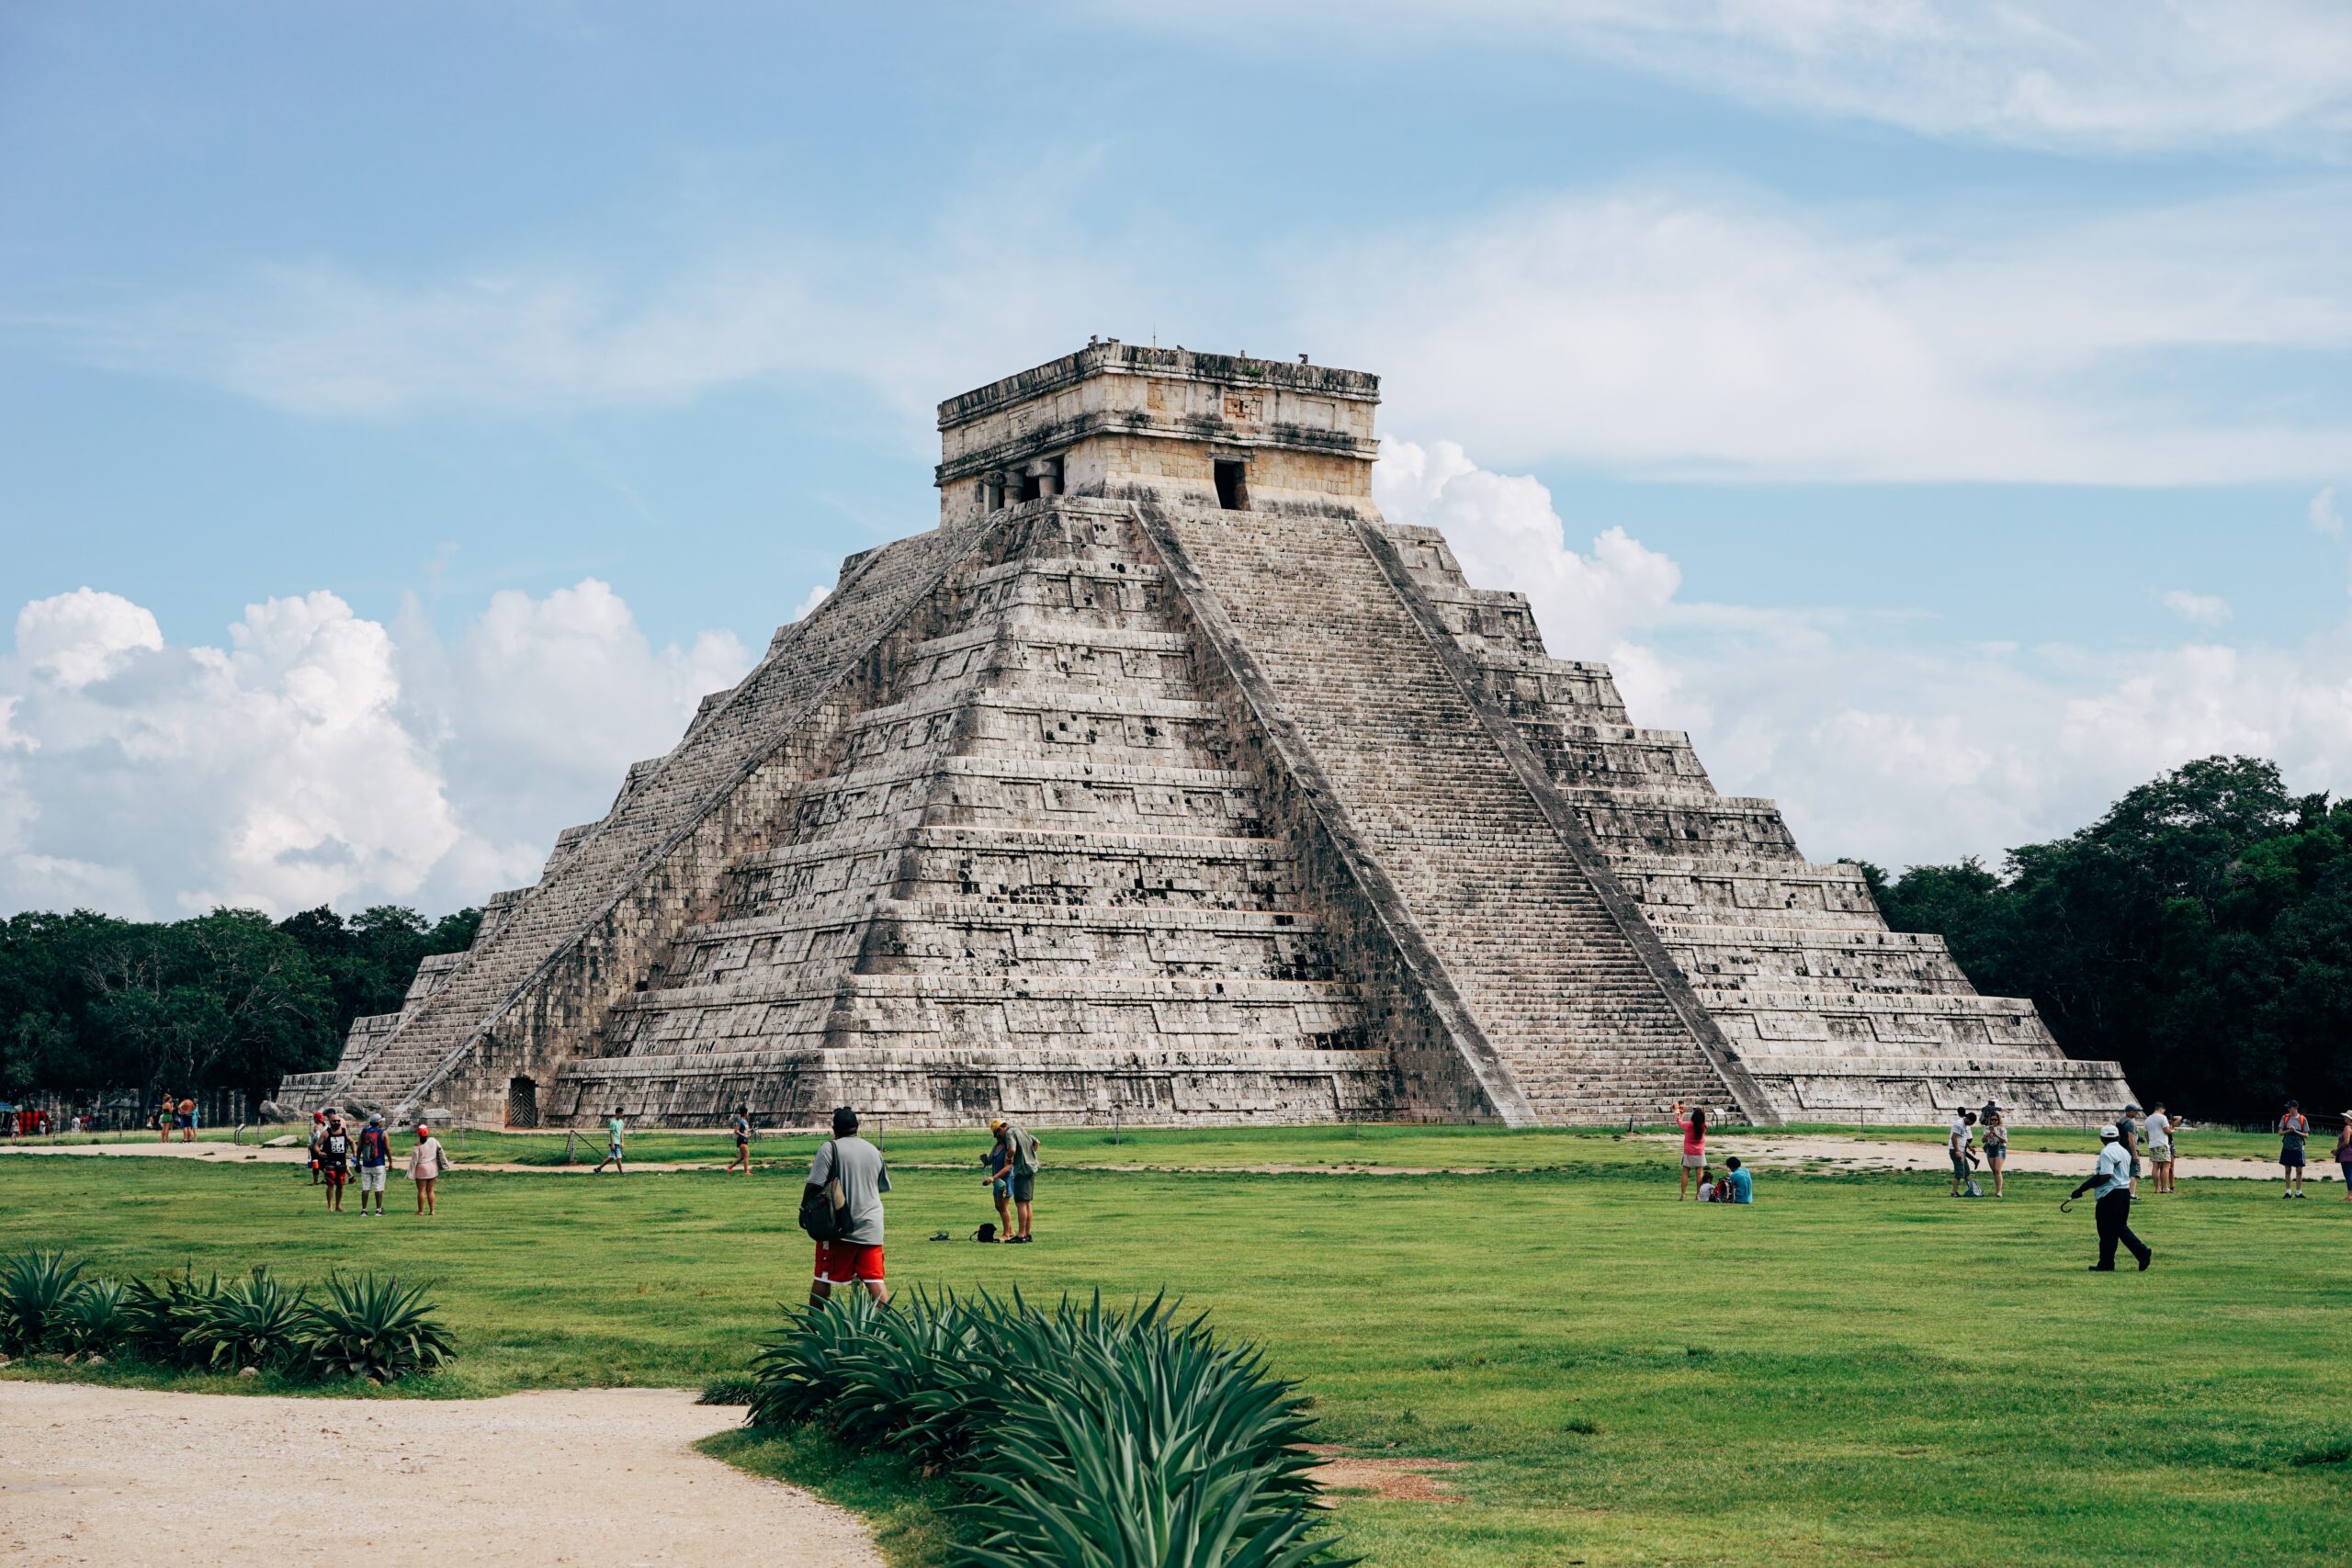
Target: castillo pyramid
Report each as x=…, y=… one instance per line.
x=1165, y=780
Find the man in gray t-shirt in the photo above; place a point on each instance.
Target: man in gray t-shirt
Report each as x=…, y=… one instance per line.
x=856, y=1257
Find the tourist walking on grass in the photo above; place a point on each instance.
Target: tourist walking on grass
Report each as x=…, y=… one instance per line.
x=2128, y=1135
x=1960, y=1144
x=2344, y=1153
x=2161, y=1127
x=1997, y=1143
x=426, y=1164
x=2112, y=1181
x=742, y=1161
x=1023, y=1173
x=375, y=1163
x=997, y=1167
x=613, y=1130
x=2293, y=1128
x=849, y=1175
x=335, y=1160
x=318, y=1146
x=1694, y=1145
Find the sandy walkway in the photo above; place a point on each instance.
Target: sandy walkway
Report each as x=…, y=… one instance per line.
x=1765, y=1148
x=600, y=1477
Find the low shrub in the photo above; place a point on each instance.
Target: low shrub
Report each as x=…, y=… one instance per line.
x=372, y=1326
x=92, y=1323
x=159, y=1314
x=35, y=1288
x=1112, y=1438
x=253, y=1322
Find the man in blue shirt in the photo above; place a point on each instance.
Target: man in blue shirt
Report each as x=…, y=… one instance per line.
x=1742, y=1185
x=2112, y=1181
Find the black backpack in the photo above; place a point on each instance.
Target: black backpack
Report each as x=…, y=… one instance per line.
x=824, y=1214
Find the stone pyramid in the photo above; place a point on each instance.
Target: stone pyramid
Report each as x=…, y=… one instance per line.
x=1164, y=781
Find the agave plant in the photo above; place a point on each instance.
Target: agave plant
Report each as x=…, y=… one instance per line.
x=253, y=1321
x=1115, y=1438
x=161, y=1316
x=373, y=1326
x=93, y=1322
x=34, y=1290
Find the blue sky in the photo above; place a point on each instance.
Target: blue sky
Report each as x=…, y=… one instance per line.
x=1942, y=414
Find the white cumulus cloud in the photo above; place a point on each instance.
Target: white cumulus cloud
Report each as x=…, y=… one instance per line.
x=2325, y=518
x=314, y=757
x=1874, y=745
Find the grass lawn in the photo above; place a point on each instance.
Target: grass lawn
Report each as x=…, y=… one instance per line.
x=1857, y=1369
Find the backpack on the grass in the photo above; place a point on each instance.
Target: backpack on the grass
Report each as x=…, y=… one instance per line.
x=987, y=1231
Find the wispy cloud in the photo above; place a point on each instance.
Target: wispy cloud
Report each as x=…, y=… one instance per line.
x=1652, y=330
x=2201, y=609
x=2325, y=518
x=2064, y=74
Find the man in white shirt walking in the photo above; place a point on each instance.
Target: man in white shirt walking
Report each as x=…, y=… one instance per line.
x=1959, y=1141
x=2112, y=1181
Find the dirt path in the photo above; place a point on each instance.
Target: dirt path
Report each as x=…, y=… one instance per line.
x=1765, y=1148
x=600, y=1476
x=1888, y=1153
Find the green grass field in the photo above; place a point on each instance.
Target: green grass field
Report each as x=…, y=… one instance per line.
x=1857, y=1369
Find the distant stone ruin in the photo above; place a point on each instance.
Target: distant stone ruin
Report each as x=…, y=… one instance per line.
x=1165, y=782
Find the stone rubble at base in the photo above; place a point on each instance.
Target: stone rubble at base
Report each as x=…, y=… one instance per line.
x=1166, y=782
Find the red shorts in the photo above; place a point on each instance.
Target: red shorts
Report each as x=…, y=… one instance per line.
x=842, y=1262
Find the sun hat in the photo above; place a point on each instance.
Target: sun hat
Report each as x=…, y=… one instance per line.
x=2111, y=1133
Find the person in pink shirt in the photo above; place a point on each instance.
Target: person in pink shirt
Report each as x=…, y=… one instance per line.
x=1694, y=1144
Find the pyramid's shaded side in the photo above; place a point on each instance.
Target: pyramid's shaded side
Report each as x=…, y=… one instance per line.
x=1163, y=781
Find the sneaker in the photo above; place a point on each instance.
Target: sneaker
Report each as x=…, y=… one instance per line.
x=2102, y=1268
x=2146, y=1259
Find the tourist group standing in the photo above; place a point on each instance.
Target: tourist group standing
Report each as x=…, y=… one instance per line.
x=340, y=1159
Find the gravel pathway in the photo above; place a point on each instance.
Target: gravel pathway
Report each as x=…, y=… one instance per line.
x=593, y=1476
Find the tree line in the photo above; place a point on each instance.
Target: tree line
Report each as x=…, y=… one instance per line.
x=231, y=999
x=2200, y=933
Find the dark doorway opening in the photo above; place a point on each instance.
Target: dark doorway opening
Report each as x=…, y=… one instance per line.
x=1032, y=486
x=1232, y=484
x=522, y=1103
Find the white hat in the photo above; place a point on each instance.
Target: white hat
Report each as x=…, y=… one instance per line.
x=2110, y=1132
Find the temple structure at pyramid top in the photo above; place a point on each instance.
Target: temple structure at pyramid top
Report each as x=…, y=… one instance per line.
x=1164, y=781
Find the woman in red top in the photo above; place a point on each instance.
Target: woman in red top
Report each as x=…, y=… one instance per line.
x=1694, y=1144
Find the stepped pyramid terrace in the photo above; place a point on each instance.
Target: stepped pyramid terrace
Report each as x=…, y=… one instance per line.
x=1165, y=780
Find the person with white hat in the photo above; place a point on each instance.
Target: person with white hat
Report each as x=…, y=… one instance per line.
x=2113, y=1181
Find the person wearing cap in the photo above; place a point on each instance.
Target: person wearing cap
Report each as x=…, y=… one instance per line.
x=426, y=1162
x=2129, y=1131
x=996, y=1167
x=2161, y=1127
x=335, y=1160
x=2293, y=1128
x=853, y=1257
x=375, y=1163
x=2112, y=1181
x=318, y=1138
x=1997, y=1142
x=1959, y=1144
x=2344, y=1153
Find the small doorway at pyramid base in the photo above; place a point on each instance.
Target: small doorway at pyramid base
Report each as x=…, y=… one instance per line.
x=521, y=1102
